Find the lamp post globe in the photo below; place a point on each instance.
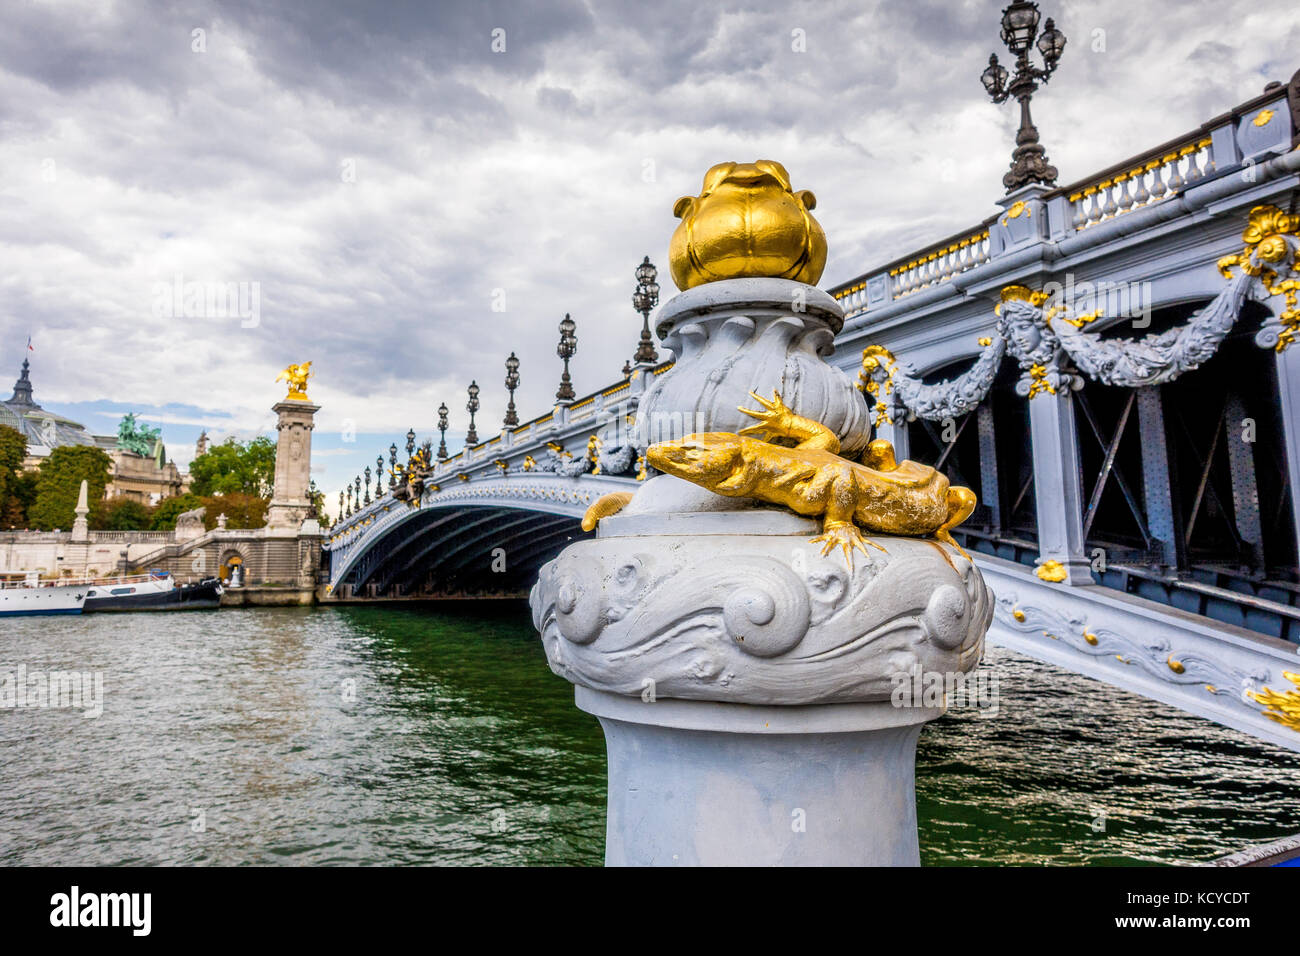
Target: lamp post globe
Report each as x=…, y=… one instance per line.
x=645, y=298
x=471, y=436
x=512, y=383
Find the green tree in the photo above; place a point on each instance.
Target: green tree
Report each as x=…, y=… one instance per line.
x=15, y=488
x=318, y=504
x=241, y=510
x=14, y=504
x=168, y=510
x=122, y=514
x=235, y=467
x=60, y=479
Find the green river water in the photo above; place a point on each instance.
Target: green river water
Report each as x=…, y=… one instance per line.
x=437, y=734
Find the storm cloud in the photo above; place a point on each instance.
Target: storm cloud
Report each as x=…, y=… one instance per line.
x=384, y=172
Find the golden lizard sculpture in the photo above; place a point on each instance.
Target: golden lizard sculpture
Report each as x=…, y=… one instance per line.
x=880, y=494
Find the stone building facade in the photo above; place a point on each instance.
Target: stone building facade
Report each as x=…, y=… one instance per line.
x=144, y=478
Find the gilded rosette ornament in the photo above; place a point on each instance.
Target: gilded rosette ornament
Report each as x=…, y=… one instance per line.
x=1271, y=254
x=296, y=376
x=1281, y=706
x=746, y=222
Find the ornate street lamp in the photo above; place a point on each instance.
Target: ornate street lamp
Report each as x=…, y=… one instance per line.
x=358, y=493
x=379, y=476
x=349, y=514
x=567, y=348
x=1019, y=27
x=367, y=484
x=410, y=443
x=645, y=298
x=512, y=383
x=442, y=427
x=471, y=436
x=340, y=504
x=392, y=466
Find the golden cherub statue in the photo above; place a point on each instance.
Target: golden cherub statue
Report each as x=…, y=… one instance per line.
x=296, y=376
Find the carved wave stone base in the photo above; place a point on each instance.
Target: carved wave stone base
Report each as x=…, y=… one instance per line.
x=741, y=607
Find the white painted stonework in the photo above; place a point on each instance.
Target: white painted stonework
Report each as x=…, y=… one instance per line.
x=724, y=606
x=744, y=680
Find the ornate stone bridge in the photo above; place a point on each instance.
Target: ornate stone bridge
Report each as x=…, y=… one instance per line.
x=1109, y=364
x=493, y=514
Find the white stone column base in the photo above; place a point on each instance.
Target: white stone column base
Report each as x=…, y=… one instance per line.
x=701, y=783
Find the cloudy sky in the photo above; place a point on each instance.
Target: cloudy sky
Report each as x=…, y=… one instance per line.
x=376, y=173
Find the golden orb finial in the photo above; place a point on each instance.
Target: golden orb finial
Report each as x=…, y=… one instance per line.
x=296, y=376
x=746, y=221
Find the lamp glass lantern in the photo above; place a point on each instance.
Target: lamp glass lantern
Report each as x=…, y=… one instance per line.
x=994, y=77
x=1019, y=26
x=1051, y=44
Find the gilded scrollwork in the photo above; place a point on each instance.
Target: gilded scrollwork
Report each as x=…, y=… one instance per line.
x=1281, y=706
x=1271, y=255
x=1154, y=656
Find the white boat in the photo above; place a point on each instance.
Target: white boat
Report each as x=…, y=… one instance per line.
x=30, y=595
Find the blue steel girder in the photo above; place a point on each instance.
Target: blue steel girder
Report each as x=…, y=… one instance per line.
x=364, y=557
x=471, y=518
x=498, y=522
x=534, y=527
x=522, y=569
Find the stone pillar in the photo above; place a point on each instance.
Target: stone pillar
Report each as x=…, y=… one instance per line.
x=290, y=501
x=80, y=527
x=796, y=786
x=1058, y=489
x=761, y=701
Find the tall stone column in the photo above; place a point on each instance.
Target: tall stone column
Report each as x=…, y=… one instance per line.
x=761, y=694
x=289, y=500
x=80, y=525
x=761, y=700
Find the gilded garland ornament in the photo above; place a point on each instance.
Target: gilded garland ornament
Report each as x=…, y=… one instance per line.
x=876, y=378
x=897, y=391
x=746, y=221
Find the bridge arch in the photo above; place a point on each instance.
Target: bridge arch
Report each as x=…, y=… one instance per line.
x=475, y=537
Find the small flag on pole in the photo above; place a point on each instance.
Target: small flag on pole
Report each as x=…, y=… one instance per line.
x=29, y=344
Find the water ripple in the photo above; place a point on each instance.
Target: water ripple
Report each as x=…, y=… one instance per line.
x=438, y=735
